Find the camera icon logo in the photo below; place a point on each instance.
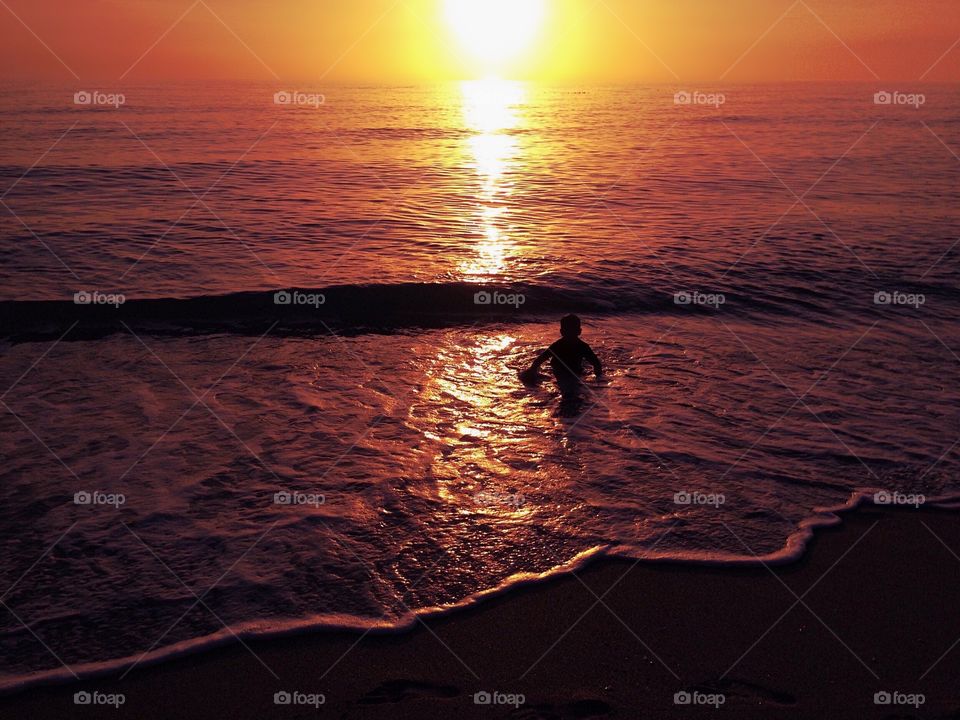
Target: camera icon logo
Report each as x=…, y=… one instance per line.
x=682, y=298
x=682, y=498
x=282, y=298
x=882, y=498
x=282, y=98
x=282, y=698
x=82, y=698
x=482, y=698
x=883, y=98
x=682, y=98
x=282, y=498
x=82, y=498
x=882, y=698
x=882, y=297
x=82, y=298
x=82, y=98
x=682, y=698
x=482, y=298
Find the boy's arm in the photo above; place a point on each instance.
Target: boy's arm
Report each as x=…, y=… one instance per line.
x=540, y=360
x=592, y=358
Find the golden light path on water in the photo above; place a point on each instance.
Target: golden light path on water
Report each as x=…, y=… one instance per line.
x=483, y=461
x=491, y=112
x=472, y=419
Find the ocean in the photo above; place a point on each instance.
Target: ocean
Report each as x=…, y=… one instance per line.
x=260, y=353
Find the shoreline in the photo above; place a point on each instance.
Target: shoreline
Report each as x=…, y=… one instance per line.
x=792, y=551
x=608, y=636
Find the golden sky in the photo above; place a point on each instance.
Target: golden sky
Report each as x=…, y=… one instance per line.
x=374, y=41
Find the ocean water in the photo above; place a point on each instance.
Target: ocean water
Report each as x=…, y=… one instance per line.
x=770, y=281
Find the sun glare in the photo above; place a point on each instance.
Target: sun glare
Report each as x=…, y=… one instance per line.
x=495, y=31
x=491, y=109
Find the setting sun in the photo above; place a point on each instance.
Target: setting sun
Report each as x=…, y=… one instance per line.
x=495, y=31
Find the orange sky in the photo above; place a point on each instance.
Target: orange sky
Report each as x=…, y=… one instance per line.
x=373, y=41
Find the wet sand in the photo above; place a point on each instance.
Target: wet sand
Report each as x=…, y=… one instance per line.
x=870, y=608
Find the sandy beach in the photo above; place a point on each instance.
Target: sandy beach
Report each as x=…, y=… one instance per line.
x=871, y=608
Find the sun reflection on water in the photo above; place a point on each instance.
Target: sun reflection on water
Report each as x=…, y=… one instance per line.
x=491, y=111
x=485, y=458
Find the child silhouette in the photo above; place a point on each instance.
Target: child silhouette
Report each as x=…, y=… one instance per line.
x=566, y=357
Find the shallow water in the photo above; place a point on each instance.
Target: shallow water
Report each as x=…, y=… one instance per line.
x=424, y=473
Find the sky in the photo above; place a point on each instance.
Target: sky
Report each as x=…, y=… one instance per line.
x=409, y=41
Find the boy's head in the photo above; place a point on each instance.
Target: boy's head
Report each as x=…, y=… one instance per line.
x=570, y=326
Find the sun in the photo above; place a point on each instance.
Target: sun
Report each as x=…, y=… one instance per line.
x=495, y=31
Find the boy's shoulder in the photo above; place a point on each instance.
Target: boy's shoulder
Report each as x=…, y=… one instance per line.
x=569, y=343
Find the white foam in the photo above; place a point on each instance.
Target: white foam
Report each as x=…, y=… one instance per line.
x=792, y=551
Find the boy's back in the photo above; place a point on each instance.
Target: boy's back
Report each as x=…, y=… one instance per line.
x=567, y=355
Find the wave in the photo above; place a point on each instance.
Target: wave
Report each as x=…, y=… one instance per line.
x=298, y=311
x=392, y=307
